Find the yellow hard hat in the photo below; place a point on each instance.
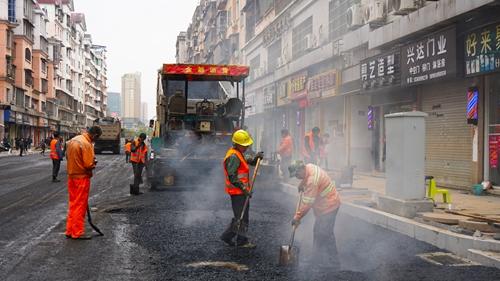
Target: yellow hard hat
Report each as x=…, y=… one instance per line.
x=242, y=138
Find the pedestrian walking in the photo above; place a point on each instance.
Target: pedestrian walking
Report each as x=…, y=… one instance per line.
x=22, y=146
x=237, y=177
x=285, y=151
x=43, y=146
x=29, y=142
x=320, y=194
x=81, y=163
x=310, y=149
x=56, y=154
x=138, y=158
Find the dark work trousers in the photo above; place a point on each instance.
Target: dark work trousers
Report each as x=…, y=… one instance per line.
x=56, y=165
x=138, y=167
x=21, y=150
x=325, y=247
x=127, y=157
x=284, y=163
x=237, y=202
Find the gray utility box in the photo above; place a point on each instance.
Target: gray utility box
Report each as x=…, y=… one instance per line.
x=405, y=168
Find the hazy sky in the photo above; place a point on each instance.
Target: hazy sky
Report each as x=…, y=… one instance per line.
x=139, y=35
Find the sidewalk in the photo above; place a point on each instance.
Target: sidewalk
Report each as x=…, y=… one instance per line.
x=449, y=232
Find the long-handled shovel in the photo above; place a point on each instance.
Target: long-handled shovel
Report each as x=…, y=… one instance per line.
x=289, y=254
x=91, y=224
x=247, y=200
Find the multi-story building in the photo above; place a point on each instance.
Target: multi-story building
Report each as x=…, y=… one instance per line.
x=131, y=99
x=144, y=112
x=43, y=73
x=342, y=65
x=59, y=30
x=8, y=22
x=114, y=105
x=181, y=47
x=95, y=80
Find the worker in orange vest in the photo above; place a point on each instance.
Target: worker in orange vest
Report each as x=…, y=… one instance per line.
x=320, y=194
x=310, y=149
x=127, y=148
x=56, y=154
x=237, y=173
x=138, y=157
x=285, y=151
x=81, y=163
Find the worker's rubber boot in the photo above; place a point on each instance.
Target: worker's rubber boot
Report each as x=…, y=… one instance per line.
x=134, y=190
x=54, y=179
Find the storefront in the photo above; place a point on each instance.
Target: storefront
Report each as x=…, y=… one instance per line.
x=482, y=66
x=329, y=109
x=429, y=66
x=381, y=82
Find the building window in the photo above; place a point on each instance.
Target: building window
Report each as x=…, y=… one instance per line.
x=12, y=10
x=9, y=39
x=337, y=11
x=10, y=67
x=250, y=16
x=254, y=67
x=280, y=5
x=274, y=55
x=28, y=78
x=27, y=54
x=44, y=66
x=28, y=30
x=10, y=96
x=19, y=97
x=45, y=86
x=301, y=37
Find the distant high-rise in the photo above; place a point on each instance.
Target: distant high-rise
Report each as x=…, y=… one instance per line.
x=144, y=112
x=131, y=98
x=114, y=105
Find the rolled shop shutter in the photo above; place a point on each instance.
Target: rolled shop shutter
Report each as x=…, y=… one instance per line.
x=448, y=153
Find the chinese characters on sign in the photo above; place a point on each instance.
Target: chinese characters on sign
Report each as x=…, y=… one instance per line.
x=298, y=87
x=324, y=84
x=269, y=94
x=380, y=71
x=482, y=50
x=430, y=58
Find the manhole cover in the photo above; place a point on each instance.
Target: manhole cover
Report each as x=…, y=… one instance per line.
x=446, y=259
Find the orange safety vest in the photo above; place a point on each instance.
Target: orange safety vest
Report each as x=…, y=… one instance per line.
x=53, y=149
x=139, y=156
x=286, y=146
x=128, y=147
x=305, y=153
x=243, y=173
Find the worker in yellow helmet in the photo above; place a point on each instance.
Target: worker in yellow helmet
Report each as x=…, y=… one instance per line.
x=237, y=176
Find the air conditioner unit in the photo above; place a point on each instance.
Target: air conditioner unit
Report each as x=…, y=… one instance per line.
x=402, y=7
x=375, y=12
x=354, y=16
x=309, y=41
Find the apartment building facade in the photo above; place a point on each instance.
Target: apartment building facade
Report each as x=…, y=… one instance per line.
x=43, y=70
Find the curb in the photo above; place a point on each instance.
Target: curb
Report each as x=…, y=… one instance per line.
x=485, y=252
